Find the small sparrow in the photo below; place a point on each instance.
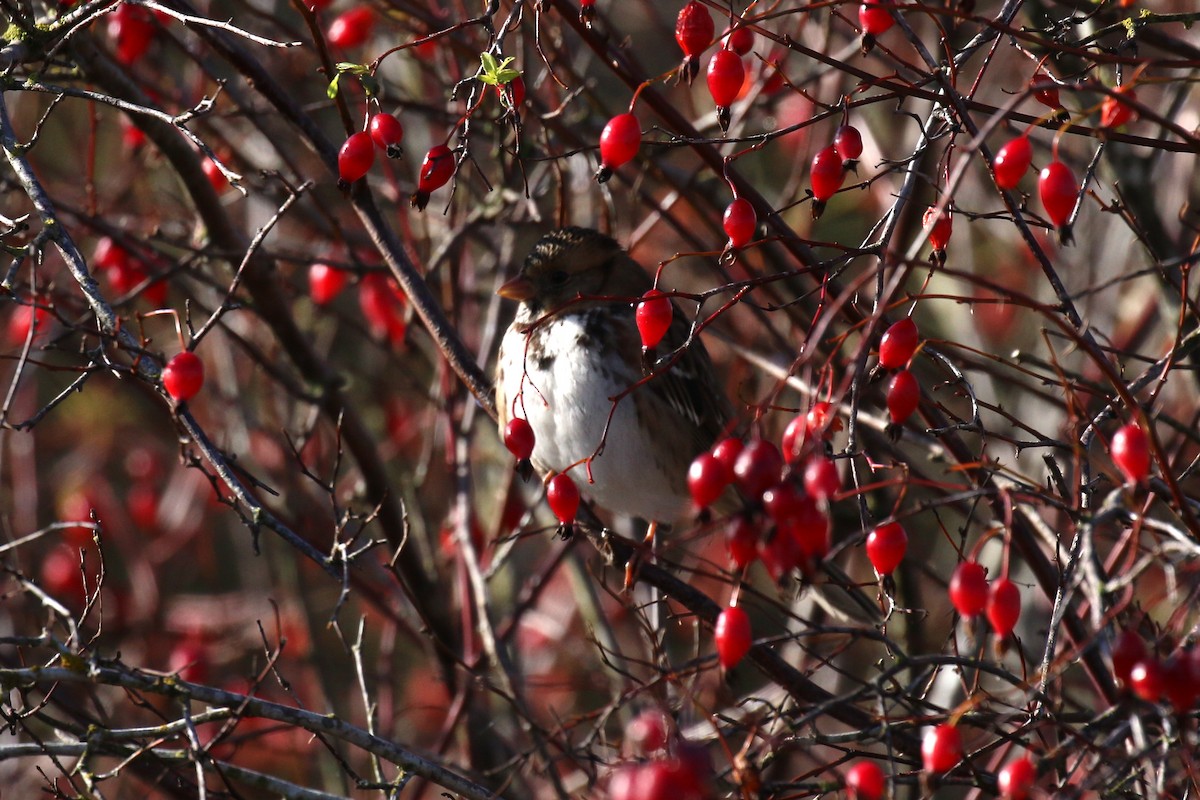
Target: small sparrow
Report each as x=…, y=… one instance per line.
x=571, y=364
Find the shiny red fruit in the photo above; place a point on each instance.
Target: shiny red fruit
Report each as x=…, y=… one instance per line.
x=733, y=636
x=387, y=133
x=183, y=376
x=969, y=588
x=1130, y=451
x=808, y=527
x=1127, y=650
x=563, y=496
x=727, y=451
x=740, y=40
x=1003, y=607
x=706, y=479
x=898, y=343
x=826, y=174
x=886, y=546
x=874, y=19
x=436, y=171
x=1016, y=778
x=848, y=144
x=694, y=29
x=1046, y=92
x=1012, y=161
x=382, y=303
x=653, y=316
x=1115, y=111
x=726, y=74
x=647, y=731
x=903, y=397
x=741, y=539
x=356, y=157
x=132, y=29
x=821, y=477
x=1058, y=189
x=864, y=781
x=1146, y=679
x=941, y=749
x=740, y=222
x=519, y=438
x=619, y=142
x=940, y=226
x=325, y=282
x=351, y=28
x=758, y=467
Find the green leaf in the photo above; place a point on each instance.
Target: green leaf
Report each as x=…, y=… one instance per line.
x=495, y=73
x=332, y=90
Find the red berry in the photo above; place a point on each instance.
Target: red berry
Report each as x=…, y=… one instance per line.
x=1130, y=451
x=898, y=343
x=726, y=74
x=563, y=496
x=886, y=546
x=1115, y=111
x=941, y=749
x=1180, y=686
x=1127, y=650
x=848, y=144
x=740, y=40
x=132, y=29
x=183, y=376
x=864, y=781
x=325, y=282
x=727, y=451
x=1057, y=188
x=968, y=588
x=874, y=19
x=706, y=479
x=1011, y=162
x=758, y=467
x=779, y=554
x=1045, y=92
x=26, y=318
x=647, y=731
x=783, y=502
x=1016, y=779
x=356, y=157
x=519, y=438
x=821, y=478
x=653, y=315
x=808, y=526
x=351, y=28
x=436, y=170
x=1003, y=607
x=382, y=303
x=940, y=226
x=694, y=31
x=619, y=143
x=740, y=222
x=817, y=420
x=794, y=436
x=903, y=397
x=741, y=539
x=1146, y=679
x=732, y=636
x=387, y=133
x=826, y=177
x=216, y=178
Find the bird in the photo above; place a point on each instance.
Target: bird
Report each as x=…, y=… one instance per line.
x=624, y=427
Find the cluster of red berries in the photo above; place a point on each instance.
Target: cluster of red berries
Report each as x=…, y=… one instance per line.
x=1175, y=679
x=971, y=595
x=896, y=348
x=829, y=166
x=385, y=132
x=686, y=774
x=784, y=523
x=124, y=272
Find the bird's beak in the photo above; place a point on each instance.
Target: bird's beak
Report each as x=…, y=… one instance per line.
x=519, y=288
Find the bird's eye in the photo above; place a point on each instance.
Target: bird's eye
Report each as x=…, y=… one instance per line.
x=559, y=277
